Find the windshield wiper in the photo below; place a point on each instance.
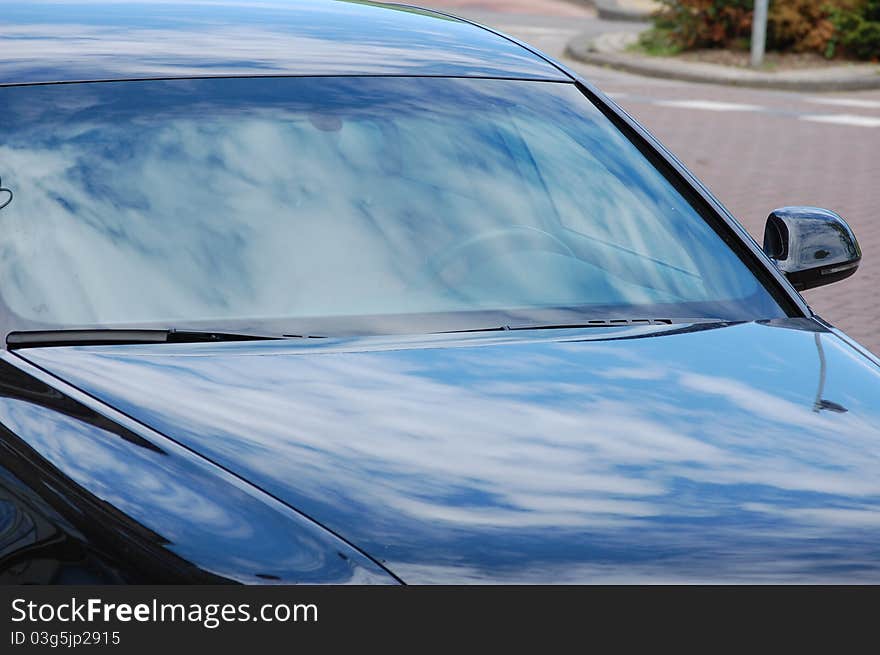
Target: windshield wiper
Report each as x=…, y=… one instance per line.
x=597, y=323
x=101, y=337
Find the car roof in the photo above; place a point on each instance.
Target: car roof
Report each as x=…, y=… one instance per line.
x=44, y=41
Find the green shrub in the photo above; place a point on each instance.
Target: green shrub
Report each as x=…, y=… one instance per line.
x=857, y=30
x=826, y=27
x=693, y=24
x=656, y=41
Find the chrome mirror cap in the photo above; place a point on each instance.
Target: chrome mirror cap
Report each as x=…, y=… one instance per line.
x=811, y=246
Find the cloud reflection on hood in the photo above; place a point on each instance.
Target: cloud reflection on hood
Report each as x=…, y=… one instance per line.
x=206, y=519
x=501, y=461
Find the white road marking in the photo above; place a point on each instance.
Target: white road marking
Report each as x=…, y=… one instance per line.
x=843, y=119
x=847, y=102
x=535, y=30
x=714, y=105
x=708, y=105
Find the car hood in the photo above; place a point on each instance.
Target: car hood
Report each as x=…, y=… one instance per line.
x=740, y=453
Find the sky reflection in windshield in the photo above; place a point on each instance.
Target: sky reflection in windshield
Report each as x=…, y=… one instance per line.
x=219, y=200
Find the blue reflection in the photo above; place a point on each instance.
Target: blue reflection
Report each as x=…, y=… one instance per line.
x=209, y=520
x=57, y=41
x=235, y=201
x=542, y=457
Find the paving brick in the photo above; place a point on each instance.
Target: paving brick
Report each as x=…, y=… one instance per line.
x=542, y=7
x=756, y=162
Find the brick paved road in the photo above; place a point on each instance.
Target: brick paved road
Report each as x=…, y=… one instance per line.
x=541, y=7
x=754, y=149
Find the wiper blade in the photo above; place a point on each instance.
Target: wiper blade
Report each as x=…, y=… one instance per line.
x=101, y=337
x=598, y=323
x=615, y=322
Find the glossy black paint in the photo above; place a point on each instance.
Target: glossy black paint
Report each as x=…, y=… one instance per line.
x=739, y=453
x=83, y=498
x=93, y=40
x=37, y=544
x=811, y=245
x=742, y=453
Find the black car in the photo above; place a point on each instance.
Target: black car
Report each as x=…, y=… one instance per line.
x=339, y=292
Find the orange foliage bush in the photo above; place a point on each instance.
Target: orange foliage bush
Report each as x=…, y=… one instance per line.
x=821, y=26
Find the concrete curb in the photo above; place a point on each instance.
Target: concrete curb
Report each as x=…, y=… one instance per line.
x=623, y=10
x=636, y=11
x=610, y=50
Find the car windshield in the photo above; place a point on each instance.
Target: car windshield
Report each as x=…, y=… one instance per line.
x=343, y=205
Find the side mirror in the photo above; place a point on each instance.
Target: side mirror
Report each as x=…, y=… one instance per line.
x=811, y=246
